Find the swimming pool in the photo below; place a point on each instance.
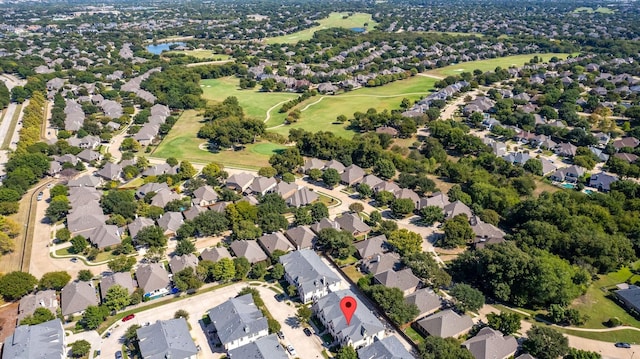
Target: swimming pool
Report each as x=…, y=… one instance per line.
x=568, y=185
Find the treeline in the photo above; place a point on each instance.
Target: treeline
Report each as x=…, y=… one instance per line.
x=29, y=162
x=179, y=87
x=5, y=95
x=289, y=105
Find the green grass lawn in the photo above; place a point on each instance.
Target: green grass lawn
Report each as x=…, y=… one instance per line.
x=202, y=54
x=625, y=335
x=415, y=336
x=335, y=19
x=319, y=113
x=182, y=143
x=602, y=10
x=352, y=273
x=491, y=64
x=599, y=308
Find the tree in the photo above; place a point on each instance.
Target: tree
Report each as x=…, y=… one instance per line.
x=154, y=254
x=405, y=242
x=186, y=279
x=467, y=298
x=443, y=348
x=212, y=172
x=181, y=313
x=258, y=270
x=186, y=170
x=384, y=198
x=94, y=316
x=210, y=223
x=391, y=300
x=534, y=166
x=457, y=232
x=304, y=314
x=63, y=234
x=338, y=243
x=385, y=169
x=54, y=280
x=401, y=207
x=356, y=207
x=365, y=190
x=15, y=285
x=117, y=297
x=507, y=323
x=185, y=246
x=287, y=160
x=273, y=325
x=58, y=209
x=318, y=211
x=277, y=271
x=242, y=267
x=330, y=177
x=545, y=343
x=581, y=354
x=315, y=174
x=122, y=263
x=346, y=352
x=224, y=270
x=40, y=315
x=120, y=202
x=85, y=275
x=80, y=348
x=431, y=215
x=152, y=236
x=267, y=172
x=424, y=266
x=78, y=244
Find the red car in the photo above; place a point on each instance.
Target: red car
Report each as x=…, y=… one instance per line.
x=128, y=317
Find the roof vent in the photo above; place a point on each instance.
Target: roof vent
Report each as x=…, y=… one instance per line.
x=246, y=329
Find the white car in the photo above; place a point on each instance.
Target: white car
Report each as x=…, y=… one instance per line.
x=291, y=350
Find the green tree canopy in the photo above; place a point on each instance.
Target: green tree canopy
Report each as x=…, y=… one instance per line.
x=15, y=285
x=54, y=280
x=545, y=343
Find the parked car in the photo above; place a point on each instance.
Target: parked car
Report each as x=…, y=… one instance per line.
x=281, y=335
x=291, y=350
x=279, y=297
x=118, y=354
x=307, y=331
x=128, y=317
x=623, y=345
x=108, y=334
x=74, y=259
x=40, y=195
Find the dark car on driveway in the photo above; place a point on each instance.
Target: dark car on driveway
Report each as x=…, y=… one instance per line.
x=118, y=355
x=307, y=331
x=623, y=345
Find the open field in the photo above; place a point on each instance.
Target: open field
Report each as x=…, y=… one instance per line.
x=182, y=143
x=201, y=54
x=599, y=308
x=334, y=20
x=602, y=10
x=318, y=113
x=491, y=64
x=255, y=103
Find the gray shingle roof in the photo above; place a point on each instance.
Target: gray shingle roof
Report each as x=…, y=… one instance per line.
x=264, y=348
x=250, y=250
x=237, y=318
x=491, y=344
x=77, y=296
x=152, y=277
x=387, y=348
x=302, y=237
x=178, y=263
x=274, y=241
x=446, y=323
x=425, y=299
x=352, y=224
x=403, y=280
x=41, y=299
x=215, y=254
x=302, y=197
x=41, y=341
x=307, y=269
x=166, y=339
x=371, y=247
x=120, y=278
x=138, y=224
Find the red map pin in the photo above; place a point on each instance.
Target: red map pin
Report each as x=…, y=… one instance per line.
x=348, y=306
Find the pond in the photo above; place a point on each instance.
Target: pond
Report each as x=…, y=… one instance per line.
x=157, y=49
x=358, y=29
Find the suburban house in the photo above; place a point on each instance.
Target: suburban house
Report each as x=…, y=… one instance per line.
x=336, y=165
x=491, y=344
x=193, y=212
x=324, y=223
x=84, y=181
x=178, y=263
x=629, y=295
x=371, y=180
x=352, y=175
x=486, y=233
x=264, y=348
x=149, y=188
x=273, y=242
x=153, y=279
x=444, y=324
x=122, y=279
x=40, y=299
x=138, y=224
x=381, y=263
x=437, y=199
x=167, y=339
x=204, y=196
x=110, y=172
x=371, y=247
x=387, y=348
x=302, y=197
x=215, y=254
x=261, y=185
x=353, y=224
x=160, y=169
x=44, y=340
x=170, y=222
x=250, y=250
x=565, y=149
x=602, y=181
x=302, y=237
x=403, y=280
x=105, y=235
x=363, y=329
x=163, y=197
x=240, y=181
x=569, y=174
x=309, y=274
x=285, y=190
x=238, y=322
x=75, y=297
x=631, y=142
x=426, y=300
x=312, y=163
x=455, y=208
